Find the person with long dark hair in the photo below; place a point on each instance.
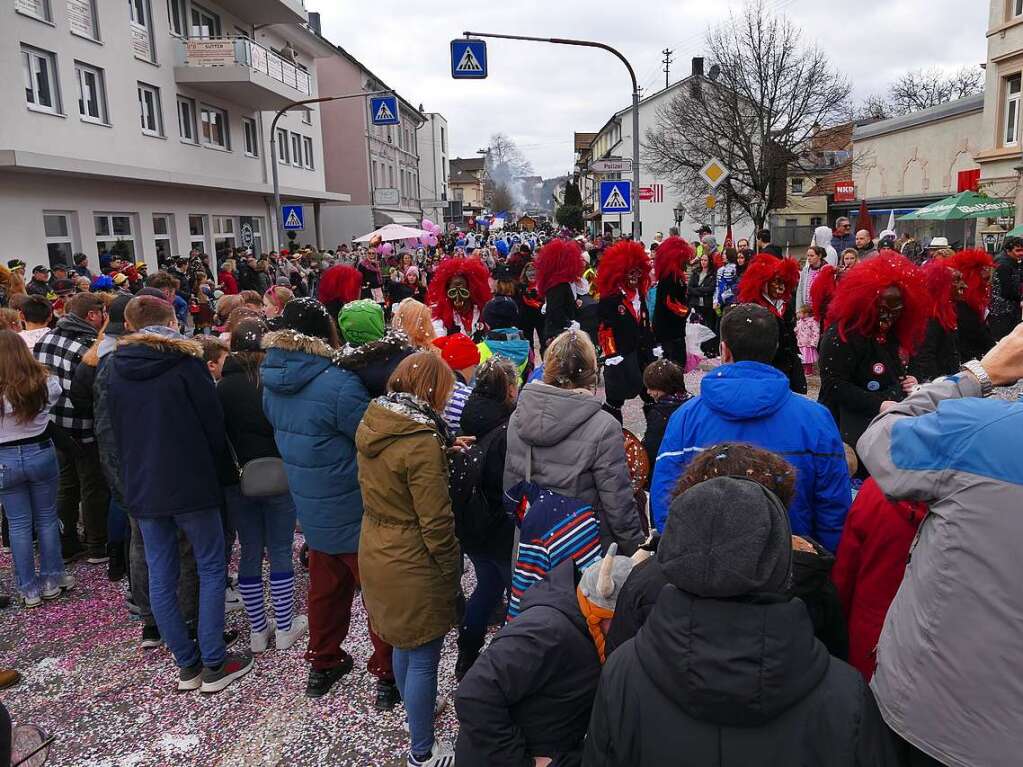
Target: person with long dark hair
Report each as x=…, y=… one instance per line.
x=702, y=284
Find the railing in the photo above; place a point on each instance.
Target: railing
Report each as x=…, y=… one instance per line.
x=229, y=51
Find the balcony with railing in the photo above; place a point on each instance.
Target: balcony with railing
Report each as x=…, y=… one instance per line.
x=242, y=71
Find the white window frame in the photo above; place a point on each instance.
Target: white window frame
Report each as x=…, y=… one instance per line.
x=204, y=14
x=307, y=114
x=166, y=237
x=1011, y=125
x=225, y=130
x=81, y=71
x=307, y=153
x=63, y=239
x=193, y=125
x=112, y=238
x=200, y=238
x=178, y=19
x=250, y=133
x=797, y=186
x=94, y=32
x=46, y=15
x=1017, y=9
x=157, y=109
x=283, y=147
x=296, y=149
x=138, y=13
x=29, y=57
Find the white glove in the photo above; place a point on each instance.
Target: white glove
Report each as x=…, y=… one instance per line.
x=613, y=360
x=574, y=326
x=658, y=352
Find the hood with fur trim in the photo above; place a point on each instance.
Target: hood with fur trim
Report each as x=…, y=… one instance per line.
x=294, y=359
x=144, y=356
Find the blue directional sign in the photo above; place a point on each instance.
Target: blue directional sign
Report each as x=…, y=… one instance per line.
x=616, y=196
x=294, y=218
x=468, y=59
x=383, y=110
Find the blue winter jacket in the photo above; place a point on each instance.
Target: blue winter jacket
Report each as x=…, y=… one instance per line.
x=315, y=408
x=751, y=402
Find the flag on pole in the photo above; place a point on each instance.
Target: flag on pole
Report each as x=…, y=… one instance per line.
x=891, y=221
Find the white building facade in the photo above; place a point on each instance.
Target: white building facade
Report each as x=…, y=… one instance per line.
x=434, y=166
x=142, y=127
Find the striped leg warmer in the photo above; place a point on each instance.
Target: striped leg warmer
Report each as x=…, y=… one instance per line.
x=282, y=592
x=251, y=590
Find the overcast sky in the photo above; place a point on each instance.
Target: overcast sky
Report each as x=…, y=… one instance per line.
x=539, y=94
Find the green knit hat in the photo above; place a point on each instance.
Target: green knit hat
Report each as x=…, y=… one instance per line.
x=361, y=322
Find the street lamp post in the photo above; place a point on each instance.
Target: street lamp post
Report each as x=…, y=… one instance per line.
x=680, y=214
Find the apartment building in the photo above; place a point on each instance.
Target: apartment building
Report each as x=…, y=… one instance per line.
x=434, y=165
x=141, y=127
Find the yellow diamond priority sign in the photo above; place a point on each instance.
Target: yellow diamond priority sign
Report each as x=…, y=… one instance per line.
x=714, y=172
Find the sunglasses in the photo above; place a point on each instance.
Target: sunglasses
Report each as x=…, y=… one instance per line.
x=458, y=293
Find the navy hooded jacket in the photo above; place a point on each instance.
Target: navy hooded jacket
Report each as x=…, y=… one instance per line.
x=751, y=402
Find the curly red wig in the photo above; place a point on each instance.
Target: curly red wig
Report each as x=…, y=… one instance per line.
x=339, y=284
x=671, y=257
x=476, y=275
x=558, y=261
x=617, y=261
x=854, y=309
x=975, y=264
x=938, y=279
x=762, y=269
x=823, y=290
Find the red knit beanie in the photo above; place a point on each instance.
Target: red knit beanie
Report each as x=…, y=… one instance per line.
x=458, y=351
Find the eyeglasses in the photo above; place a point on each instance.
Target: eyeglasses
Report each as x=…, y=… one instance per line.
x=458, y=293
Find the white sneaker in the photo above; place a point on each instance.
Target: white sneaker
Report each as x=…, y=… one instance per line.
x=33, y=601
x=260, y=640
x=63, y=583
x=232, y=600
x=441, y=755
x=285, y=639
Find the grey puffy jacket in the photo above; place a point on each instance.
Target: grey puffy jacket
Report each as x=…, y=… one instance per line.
x=576, y=449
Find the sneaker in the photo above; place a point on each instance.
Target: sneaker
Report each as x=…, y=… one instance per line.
x=99, y=559
x=285, y=639
x=31, y=600
x=232, y=600
x=63, y=583
x=260, y=640
x=151, y=638
x=235, y=666
x=190, y=678
x=387, y=695
x=441, y=755
x=320, y=682
x=231, y=638
x=133, y=609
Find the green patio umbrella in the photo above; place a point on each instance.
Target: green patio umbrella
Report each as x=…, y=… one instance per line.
x=962, y=206
x=1017, y=232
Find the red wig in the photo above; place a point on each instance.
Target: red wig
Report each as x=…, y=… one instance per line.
x=762, y=269
x=854, y=308
x=617, y=261
x=339, y=284
x=938, y=279
x=823, y=290
x=476, y=275
x=558, y=262
x=973, y=264
x=671, y=257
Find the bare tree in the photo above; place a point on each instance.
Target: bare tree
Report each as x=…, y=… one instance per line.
x=758, y=117
x=506, y=165
x=501, y=198
x=923, y=88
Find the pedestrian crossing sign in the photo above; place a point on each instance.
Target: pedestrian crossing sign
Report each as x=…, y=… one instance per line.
x=384, y=110
x=468, y=59
x=294, y=218
x=616, y=196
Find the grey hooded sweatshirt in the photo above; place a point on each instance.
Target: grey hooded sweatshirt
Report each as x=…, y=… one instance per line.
x=564, y=441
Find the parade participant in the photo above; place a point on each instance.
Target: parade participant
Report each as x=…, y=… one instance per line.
x=315, y=408
x=408, y=553
x=749, y=400
x=1006, y=293
x=974, y=335
x=159, y=366
x=338, y=285
x=938, y=353
x=414, y=319
x=946, y=681
x=457, y=294
x=665, y=384
x=28, y=491
x=267, y=523
x=531, y=319
x=563, y=440
x=823, y=290
x=880, y=309
x=671, y=308
x=626, y=338
x=559, y=264
x=770, y=282
x=529, y=697
x=727, y=658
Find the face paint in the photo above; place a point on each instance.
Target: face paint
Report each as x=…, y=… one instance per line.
x=776, y=288
x=633, y=277
x=958, y=285
x=889, y=309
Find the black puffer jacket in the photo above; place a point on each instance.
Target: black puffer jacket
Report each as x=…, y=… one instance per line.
x=937, y=356
x=480, y=417
x=732, y=683
x=657, y=416
x=531, y=691
x=250, y=432
x=374, y=362
x=973, y=336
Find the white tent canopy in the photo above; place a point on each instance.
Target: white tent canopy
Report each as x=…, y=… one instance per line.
x=393, y=232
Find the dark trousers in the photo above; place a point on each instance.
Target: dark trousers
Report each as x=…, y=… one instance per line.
x=82, y=484
x=675, y=350
x=493, y=577
x=5, y=736
x=333, y=579
x=1002, y=324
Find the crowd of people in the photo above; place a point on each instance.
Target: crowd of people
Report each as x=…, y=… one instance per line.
x=758, y=579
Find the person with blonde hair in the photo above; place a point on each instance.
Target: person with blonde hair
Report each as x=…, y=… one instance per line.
x=414, y=319
x=275, y=299
x=409, y=557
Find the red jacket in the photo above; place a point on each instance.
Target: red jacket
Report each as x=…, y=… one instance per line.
x=870, y=564
x=229, y=283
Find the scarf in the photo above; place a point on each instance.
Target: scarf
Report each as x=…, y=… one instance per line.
x=418, y=410
x=594, y=615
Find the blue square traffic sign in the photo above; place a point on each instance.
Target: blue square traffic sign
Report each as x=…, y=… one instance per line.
x=383, y=110
x=468, y=59
x=616, y=196
x=293, y=217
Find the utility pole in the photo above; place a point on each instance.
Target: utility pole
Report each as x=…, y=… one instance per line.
x=667, y=64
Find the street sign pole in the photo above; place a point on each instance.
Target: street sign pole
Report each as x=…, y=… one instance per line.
x=637, y=225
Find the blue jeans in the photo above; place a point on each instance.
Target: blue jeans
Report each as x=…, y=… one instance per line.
x=28, y=490
x=262, y=524
x=205, y=532
x=492, y=578
x=415, y=673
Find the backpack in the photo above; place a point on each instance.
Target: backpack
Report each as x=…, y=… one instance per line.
x=475, y=520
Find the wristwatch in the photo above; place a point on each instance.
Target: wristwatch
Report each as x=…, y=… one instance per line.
x=986, y=387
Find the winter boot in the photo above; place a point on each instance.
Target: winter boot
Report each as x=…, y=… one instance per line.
x=469, y=646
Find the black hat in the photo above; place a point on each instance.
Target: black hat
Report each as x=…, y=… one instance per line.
x=727, y=537
x=116, y=312
x=63, y=287
x=704, y=229
x=40, y=269
x=15, y=263
x=308, y=316
x=152, y=292
x=505, y=272
x=60, y=268
x=500, y=312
